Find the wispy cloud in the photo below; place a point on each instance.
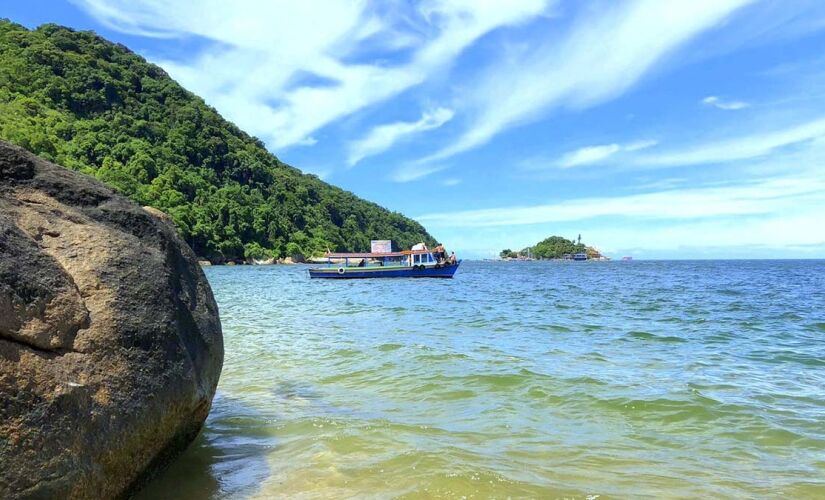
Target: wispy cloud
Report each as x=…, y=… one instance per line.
x=453, y=181
x=383, y=137
x=738, y=148
x=594, y=154
x=601, y=57
x=757, y=198
x=412, y=172
x=258, y=48
x=639, y=145
x=307, y=141
x=718, y=102
x=588, y=155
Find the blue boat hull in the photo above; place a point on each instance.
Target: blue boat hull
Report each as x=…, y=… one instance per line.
x=378, y=272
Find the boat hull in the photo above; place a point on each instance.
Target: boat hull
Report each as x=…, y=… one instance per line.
x=380, y=272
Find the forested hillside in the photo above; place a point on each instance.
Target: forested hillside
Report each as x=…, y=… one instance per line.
x=554, y=247
x=94, y=106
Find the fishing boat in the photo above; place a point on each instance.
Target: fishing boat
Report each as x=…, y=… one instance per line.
x=404, y=264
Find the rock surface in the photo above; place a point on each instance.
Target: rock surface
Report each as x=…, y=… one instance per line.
x=110, y=341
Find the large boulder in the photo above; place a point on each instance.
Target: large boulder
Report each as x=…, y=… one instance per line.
x=110, y=341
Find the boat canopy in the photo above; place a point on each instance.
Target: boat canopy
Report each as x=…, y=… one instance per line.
x=367, y=255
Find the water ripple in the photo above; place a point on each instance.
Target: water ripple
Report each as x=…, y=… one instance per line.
x=544, y=379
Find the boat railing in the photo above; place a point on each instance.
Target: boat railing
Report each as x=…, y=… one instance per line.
x=372, y=260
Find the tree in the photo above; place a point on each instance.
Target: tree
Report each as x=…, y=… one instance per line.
x=510, y=254
x=555, y=247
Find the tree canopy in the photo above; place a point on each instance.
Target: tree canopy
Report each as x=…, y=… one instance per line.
x=554, y=247
x=96, y=107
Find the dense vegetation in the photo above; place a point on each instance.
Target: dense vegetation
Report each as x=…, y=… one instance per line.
x=554, y=247
x=93, y=106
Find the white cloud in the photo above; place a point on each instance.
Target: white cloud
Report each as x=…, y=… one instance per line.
x=767, y=196
x=639, y=145
x=260, y=47
x=601, y=57
x=595, y=154
x=307, y=141
x=717, y=102
x=409, y=173
x=588, y=155
x=383, y=137
x=451, y=182
x=739, y=148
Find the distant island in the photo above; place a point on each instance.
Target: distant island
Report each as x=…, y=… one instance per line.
x=96, y=107
x=552, y=248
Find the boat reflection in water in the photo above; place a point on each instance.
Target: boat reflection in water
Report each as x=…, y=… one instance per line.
x=417, y=263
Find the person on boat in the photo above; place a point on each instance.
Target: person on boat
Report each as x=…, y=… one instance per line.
x=439, y=253
x=363, y=263
x=452, y=258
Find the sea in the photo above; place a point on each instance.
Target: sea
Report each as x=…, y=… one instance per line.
x=575, y=380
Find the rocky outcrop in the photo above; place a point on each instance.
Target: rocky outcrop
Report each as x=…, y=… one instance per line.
x=110, y=342
x=261, y=262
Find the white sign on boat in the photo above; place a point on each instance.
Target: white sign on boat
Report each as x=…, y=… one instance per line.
x=381, y=246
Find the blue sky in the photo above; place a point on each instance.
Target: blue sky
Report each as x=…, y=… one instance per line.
x=678, y=129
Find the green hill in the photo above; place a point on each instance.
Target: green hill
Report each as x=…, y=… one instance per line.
x=554, y=247
x=94, y=106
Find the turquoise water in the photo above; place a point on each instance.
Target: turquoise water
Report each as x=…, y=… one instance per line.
x=538, y=379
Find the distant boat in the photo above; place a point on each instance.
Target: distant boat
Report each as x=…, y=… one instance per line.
x=405, y=264
x=627, y=259
x=580, y=256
